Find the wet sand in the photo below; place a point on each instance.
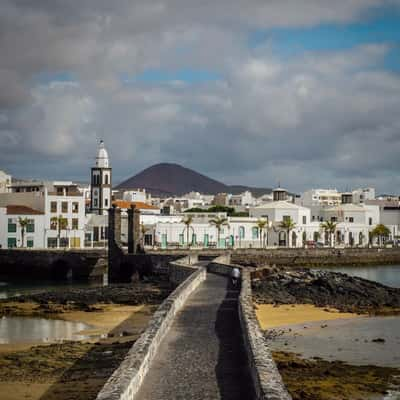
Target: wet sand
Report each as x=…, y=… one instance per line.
x=65, y=370
x=271, y=316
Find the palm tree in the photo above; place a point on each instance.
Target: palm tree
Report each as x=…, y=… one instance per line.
x=330, y=228
x=287, y=225
x=188, y=220
x=22, y=222
x=381, y=231
x=61, y=223
x=219, y=222
x=261, y=225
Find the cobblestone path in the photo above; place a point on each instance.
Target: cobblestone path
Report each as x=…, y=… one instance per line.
x=202, y=356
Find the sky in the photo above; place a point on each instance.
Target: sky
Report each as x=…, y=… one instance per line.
x=304, y=92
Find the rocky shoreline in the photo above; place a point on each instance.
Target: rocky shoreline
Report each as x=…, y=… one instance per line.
x=318, y=379
x=150, y=292
x=324, y=289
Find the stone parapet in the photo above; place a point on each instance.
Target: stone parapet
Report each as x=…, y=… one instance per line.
x=267, y=381
x=127, y=379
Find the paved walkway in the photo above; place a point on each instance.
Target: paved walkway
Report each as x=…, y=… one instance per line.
x=202, y=356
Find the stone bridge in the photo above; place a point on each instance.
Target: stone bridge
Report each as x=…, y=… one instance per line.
x=204, y=342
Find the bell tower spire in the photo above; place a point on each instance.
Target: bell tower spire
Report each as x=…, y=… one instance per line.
x=101, y=185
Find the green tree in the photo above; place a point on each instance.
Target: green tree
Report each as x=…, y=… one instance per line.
x=219, y=222
x=381, y=231
x=61, y=223
x=262, y=225
x=330, y=228
x=188, y=221
x=287, y=225
x=22, y=222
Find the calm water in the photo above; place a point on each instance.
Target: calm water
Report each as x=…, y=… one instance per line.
x=347, y=340
x=386, y=274
x=23, y=330
x=350, y=340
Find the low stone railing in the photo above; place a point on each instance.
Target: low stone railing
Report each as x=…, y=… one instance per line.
x=181, y=269
x=126, y=380
x=267, y=380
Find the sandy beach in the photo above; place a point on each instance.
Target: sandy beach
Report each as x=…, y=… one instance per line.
x=271, y=316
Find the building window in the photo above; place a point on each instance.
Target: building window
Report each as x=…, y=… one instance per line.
x=106, y=179
x=304, y=219
x=333, y=219
x=53, y=207
x=60, y=191
x=29, y=243
x=351, y=219
x=286, y=218
x=64, y=207
x=106, y=202
x=254, y=232
x=241, y=232
x=11, y=243
x=95, y=203
x=52, y=243
x=30, y=228
x=75, y=223
x=370, y=221
x=75, y=207
x=12, y=226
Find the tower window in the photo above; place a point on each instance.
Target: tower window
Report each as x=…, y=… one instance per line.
x=106, y=179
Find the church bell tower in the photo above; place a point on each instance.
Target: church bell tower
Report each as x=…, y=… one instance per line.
x=101, y=182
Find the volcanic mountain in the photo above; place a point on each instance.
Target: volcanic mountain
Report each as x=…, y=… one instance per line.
x=167, y=179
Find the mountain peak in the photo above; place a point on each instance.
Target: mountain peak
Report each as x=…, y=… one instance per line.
x=168, y=179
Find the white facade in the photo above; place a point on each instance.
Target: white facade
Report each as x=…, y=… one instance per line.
x=56, y=201
x=135, y=195
x=5, y=182
x=11, y=231
x=360, y=196
x=321, y=197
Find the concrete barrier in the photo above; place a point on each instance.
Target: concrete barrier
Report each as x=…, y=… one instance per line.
x=125, y=382
x=267, y=381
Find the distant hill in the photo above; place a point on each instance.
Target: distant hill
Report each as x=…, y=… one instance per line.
x=172, y=179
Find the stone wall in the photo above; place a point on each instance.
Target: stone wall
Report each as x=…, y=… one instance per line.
x=267, y=380
x=316, y=257
x=221, y=265
x=126, y=380
x=74, y=264
x=181, y=269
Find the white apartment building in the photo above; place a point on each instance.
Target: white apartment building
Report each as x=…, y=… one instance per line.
x=62, y=207
x=136, y=195
x=321, y=197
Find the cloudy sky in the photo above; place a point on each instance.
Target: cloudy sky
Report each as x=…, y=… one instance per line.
x=302, y=91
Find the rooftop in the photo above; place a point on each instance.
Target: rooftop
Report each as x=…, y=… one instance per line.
x=22, y=210
x=139, y=204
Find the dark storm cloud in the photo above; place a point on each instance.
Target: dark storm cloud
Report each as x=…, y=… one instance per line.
x=318, y=119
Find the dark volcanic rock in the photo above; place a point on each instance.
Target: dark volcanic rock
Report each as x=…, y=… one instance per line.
x=324, y=288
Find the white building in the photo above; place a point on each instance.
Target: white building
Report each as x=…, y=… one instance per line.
x=5, y=182
x=62, y=208
x=321, y=198
x=14, y=234
x=360, y=196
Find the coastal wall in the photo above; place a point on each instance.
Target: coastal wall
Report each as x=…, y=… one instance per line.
x=315, y=257
x=77, y=265
x=267, y=381
x=126, y=380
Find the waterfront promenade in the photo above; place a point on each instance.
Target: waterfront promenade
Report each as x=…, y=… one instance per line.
x=202, y=356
